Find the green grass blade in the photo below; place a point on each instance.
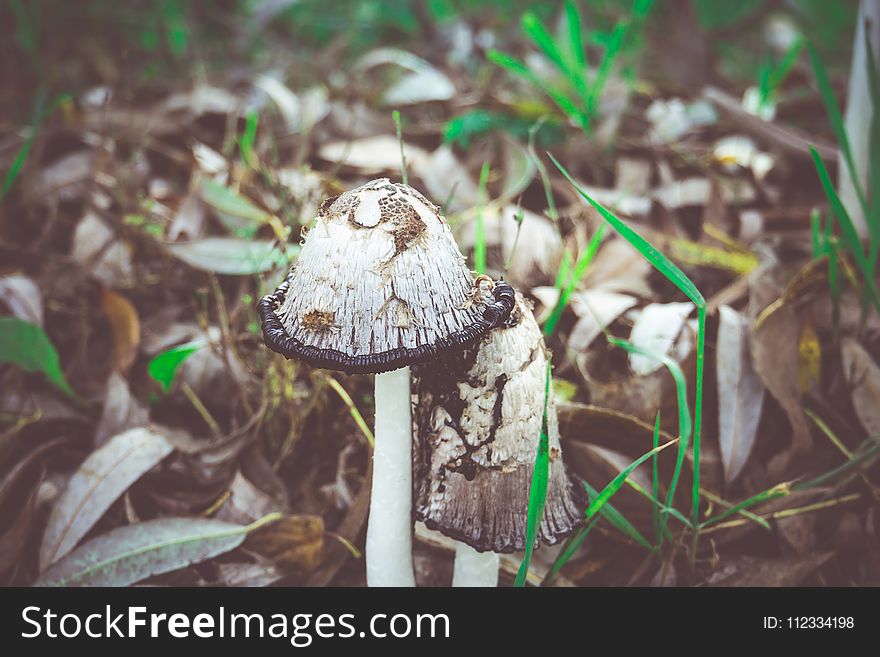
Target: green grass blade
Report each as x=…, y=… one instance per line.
x=567, y=289
x=655, y=481
x=653, y=255
x=873, y=217
x=248, y=137
x=779, y=490
x=535, y=30
x=619, y=521
x=850, y=236
x=575, y=40
x=480, y=236
x=163, y=368
x=836, y=120
x=596, y=505
x=27, y=346
x=538, y=488
x=395, y=115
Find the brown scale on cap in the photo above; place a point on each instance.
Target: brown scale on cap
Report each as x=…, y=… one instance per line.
x=477, y=419
x=381, y=269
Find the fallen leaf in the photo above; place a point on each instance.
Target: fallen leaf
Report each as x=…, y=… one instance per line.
x=618, y=267
x=301, y=111
x=595, y=309
x=100, y=480
x=740, y=393
x=189, y=220
x=22, y=296
x=14, y=536
x=655, y=330
x=125, y=326
x=121, y=410
x=422, y=83
x=246, y=502
x=774, y=345
x=446, y=179
x=251, y=575
x=233, y=256
x=374, y=154
x=751, y=571
x=863, y=377
x=126, y=555
x=97, y=249
x=295, y=543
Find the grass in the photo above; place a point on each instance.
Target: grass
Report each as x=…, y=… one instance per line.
x=480, y=236
x=850, y=240
x=579, y=94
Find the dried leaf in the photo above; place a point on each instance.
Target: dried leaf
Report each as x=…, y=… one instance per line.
x=301, y=111
x=423, y=83
x=618, y=267
x=863, y=377
x=129, y=554
x=750, y=571
x=595, y=310
x=655, y=330
x=251, y=575
x=232, y=256
x=96, y=248
x=101, y=479
x=373, y=154
x=246, y=502
x=22, y=296
x=740, y=393
x=121, y=411
x=125, y=327
x=13, y=539
x=189, y=220
x=446, y=179
x=295, y=543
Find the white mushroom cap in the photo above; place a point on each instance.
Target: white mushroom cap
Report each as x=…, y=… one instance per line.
x=379, y=284
x=478, y=420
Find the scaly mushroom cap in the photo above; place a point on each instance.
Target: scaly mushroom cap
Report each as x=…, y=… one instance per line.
x=380, y=284
x=477, y=418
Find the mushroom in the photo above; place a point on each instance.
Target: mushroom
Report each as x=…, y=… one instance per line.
x=380, y=285
x=477, y=421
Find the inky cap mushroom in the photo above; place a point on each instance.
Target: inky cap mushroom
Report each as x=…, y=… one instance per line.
x=380, y=284
x=477, y=420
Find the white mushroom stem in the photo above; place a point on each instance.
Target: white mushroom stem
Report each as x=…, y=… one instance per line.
x=474, y=569
x=390, y=525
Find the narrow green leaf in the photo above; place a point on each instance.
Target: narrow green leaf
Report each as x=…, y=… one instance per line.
x=232, y=256
x=851, y=237
x=248, y=137
x=535, y=30
x=596, y=505
x=780, y=490
x=660, y=262
x=567, y=289
x=618, y=520
x=575, y=40
x=27, y=346
x=230, y=202
x=163, y=368
x=836, y=120
x=538, y=488
x=480, y=237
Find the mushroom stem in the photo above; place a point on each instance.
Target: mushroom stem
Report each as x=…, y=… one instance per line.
x=390, y=525
x=474, y=569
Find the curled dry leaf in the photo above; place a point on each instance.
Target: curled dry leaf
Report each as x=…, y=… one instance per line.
x=301, y=111
x=126, y=555
x=294, y=543
x=22, y=296
x=863, y=377
x=751, y=571
x=446, y=178
x=13, y=535
x=775, y=357
x=252, y=575
x=189, y=220
x=740, y=393
x=101, y=479
x=246, y=502
x=125, y=327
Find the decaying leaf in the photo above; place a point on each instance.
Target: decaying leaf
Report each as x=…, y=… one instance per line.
x=22, y=296
x=863, y=377
x=97, y=249
x=740, y=393
x=121, y=410
x=373, y=154
x=595, y=309
x=125, y=327
x=751, y=571
x=100, y=480
x=810, y=359
x=655, y=330
x=294, y=543
x=232, y=256
x=126, y=555
x=246, y=502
